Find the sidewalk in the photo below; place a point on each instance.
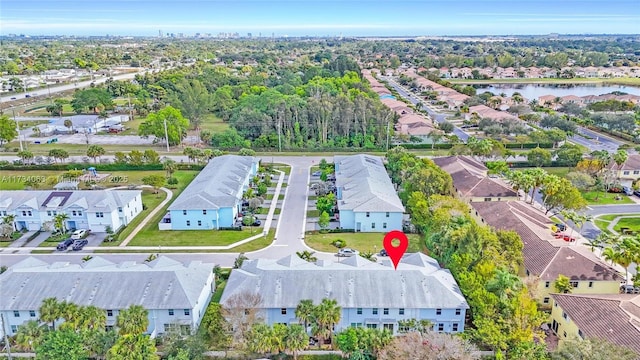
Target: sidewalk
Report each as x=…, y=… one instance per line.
x=144, y=222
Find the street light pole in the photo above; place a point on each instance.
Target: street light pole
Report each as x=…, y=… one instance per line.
x=166, y=134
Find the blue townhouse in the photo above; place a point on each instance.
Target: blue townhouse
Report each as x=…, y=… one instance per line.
x=214, y=198
x=366, y=198
x=371, y=294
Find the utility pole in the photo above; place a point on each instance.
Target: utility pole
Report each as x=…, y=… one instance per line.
x=166, y=134
x=17, y=128
x=6, y=338
x=130, y=109
x=279, y=138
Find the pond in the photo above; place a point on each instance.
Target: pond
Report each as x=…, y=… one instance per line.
x=534, y=91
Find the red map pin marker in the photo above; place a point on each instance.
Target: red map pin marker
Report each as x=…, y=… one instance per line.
x=395, y=252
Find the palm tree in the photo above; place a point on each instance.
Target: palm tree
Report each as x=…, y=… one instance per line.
x=169, y=166
x=326, y=314
x=50, y=311
x=91, y=318
x=70, y=312
x=95, y=151
x=504, y=284
x=29, y=335
x=9, y=219
x=60, y=221
x=620, y=158
x=133, y=320
x=610, y=254
x=304, y=312
x=296, y=339
x=538, y=177
x=435, y=137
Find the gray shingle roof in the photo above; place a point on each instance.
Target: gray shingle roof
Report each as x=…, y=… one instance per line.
x=90, y=200
x=161, y=284
x=354, y=282
x=365, y=184
x=218, y=185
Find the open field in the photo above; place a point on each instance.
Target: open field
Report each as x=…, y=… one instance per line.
x=558, y=171
x=618, y=81
x=361, y=241
x=214, y=124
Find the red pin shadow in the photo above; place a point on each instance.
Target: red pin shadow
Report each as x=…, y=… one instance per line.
x=395, y=252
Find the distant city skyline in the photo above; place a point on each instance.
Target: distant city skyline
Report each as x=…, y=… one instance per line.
x=319, y=17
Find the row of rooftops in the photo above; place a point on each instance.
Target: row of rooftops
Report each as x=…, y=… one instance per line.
x=218, y=185
x=470, y=178
x=364, y=185
x=418, y=282
x=163, y=283
x=43, y=200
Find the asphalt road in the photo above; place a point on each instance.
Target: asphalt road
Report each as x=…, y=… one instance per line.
x=78, y=85
x=415, y=100
x=595, y=141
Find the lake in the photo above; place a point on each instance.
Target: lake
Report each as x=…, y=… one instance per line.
x=534, y=91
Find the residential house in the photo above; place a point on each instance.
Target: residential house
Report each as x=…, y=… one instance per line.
x=471, y=182
x=94, y=210
x=615, y=318
x=370, y=294
x=176, y=295
x=629, y=171
x=367, y=200
x=546, y=257
x=214, y=198
x=483, y=111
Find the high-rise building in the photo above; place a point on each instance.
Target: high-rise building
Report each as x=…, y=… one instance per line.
x=159, y=33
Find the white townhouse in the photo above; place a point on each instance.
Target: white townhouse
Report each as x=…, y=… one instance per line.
x=176, y=295
x=86, y=209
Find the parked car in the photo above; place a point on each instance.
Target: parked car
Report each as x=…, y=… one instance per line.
x=13, y=98
x=346, y=252
x=629, y=289
x=79, y=234
x=79, y=244
x=561, y=227
x=383, y=252
x=256, y=222
x=63, y=245
x=636, y=193
x=316, y=173
x=627, y=190
x=27, y=96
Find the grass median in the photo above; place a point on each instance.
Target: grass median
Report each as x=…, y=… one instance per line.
x=362, y=241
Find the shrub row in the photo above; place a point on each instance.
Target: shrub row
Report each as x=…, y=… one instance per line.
x=233, y=228
x=100, y=167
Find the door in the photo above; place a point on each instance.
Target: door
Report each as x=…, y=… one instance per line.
x=71, y=225
x=358, y=226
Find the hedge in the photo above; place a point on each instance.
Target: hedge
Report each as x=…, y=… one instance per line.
x=101, y=167
x=507, y=145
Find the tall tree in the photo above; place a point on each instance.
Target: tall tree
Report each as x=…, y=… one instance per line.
x=193, y=99
x=133, y=320
x=176, y=125
x=8, y=130
x=95, y=151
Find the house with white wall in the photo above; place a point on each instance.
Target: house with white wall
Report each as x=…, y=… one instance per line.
x=214, y=198
x=370, y=294
x=93, y=210
x=366, y=198
x=176, y=295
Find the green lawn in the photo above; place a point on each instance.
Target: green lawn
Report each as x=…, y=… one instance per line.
x=558, y=171
x=632, y=223
x=151, y=201
x=213, y=124
x=4, y=243
x=313, y=213
x=219, y=290
x=360, y=241
x=270, y=197
x=605, y=198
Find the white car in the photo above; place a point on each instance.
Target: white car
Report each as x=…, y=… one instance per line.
x=78, y=234
x=346, y=252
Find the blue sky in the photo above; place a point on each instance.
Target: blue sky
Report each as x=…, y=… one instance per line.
x=319, y=17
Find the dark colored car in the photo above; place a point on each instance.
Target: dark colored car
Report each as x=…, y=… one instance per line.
x=383, y=252
x=316, y=173
x=636, y=193
x=256, y=222
x=561, y=227
x=63, y=245
x=79, y=244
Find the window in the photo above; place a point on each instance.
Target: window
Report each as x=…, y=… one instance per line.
x=49, y=213
x=16, y=313
x=24, y=213
x=547, y=284
x=79, y=213
x=199, y=223
x=636, y=172
x=14, y=328
x=171, y=312
x=565, y=316
x=100, y=214
x=119, y=209
x=625, y=173
x=109, y=312
x=455, y=326
x=283, y=311
x=580, y=334
x=590, y=284
x=374, y=311
x=188, y=222
x=487, y=199
x=367, y=214
x=356, y=324
x=29, y=213
x=32, y=313
x=386, y=214
x=440, y=327
x=359, y=311
x=204, y=212
x=574, y=284
x=184, y=212
x=458, y=311
x=373, y=225
x=388, y=327
x=372, y=326
x=187, y=312
x=545, y=300
x=401, y=311
x=384, y=225
x=385, y=311
x=438, y=311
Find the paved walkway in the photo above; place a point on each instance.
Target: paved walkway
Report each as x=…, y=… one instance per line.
x=144, y=222
x=22, y=240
